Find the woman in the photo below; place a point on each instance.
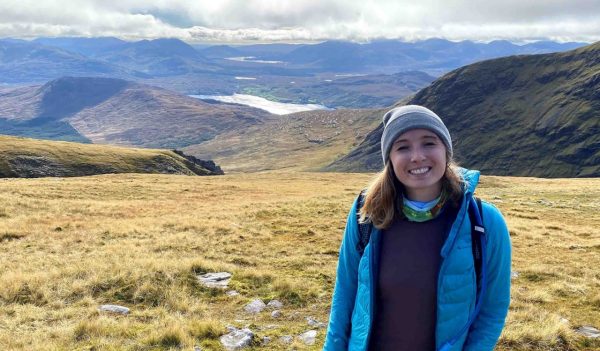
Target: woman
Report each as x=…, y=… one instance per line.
x=414, y=287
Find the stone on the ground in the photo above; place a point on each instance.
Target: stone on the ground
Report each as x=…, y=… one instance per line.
x=232, y=293
x=295, y=315
x=275, y=304
x=114, y=309
x=589, y=332
x=514, y=274
x=266, y=340
x=218, y=280
x=197, y=348
x=237, y=339
x=286, y=339
x=276, y=314
x=315, y=323
x=256, y=306
x=308, y=337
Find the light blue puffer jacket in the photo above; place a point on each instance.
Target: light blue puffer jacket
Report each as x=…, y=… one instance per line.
x=353, y=297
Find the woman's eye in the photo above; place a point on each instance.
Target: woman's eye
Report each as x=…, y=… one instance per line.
x=400, y=148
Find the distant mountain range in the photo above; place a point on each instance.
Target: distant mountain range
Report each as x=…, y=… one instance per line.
x=536, y=115
x=26, y=62
x=434, y=56
x=175, y=65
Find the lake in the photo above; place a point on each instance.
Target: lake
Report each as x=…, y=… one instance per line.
x=277, y=108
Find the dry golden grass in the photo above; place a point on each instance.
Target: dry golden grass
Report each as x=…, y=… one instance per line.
x=68, y=245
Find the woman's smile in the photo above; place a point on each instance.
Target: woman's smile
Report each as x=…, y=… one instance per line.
x=420, y=171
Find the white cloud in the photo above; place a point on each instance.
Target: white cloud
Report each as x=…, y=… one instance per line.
x=304, y=20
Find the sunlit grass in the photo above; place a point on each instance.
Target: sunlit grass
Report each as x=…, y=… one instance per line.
x=68, y=245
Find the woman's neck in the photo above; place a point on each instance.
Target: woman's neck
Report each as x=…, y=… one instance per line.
x=423, y=195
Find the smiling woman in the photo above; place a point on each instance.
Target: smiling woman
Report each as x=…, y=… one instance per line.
x=420, y=278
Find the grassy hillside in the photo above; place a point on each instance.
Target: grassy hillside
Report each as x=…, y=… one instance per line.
x=300, y=141
x=69, y=246
x=534, y=115
x=27, y=158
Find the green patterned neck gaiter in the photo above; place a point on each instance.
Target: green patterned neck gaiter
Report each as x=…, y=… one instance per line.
x=414, y=214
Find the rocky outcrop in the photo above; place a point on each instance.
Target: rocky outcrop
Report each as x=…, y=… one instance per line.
x=193, y=162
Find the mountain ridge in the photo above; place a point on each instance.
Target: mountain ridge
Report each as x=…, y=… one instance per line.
x=107, y=110
x=517, y=107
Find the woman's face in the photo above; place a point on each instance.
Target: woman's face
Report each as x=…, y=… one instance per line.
x=418, y=157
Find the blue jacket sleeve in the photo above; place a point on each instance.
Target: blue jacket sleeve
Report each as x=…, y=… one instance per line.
x=342, y=305
x=486, y=329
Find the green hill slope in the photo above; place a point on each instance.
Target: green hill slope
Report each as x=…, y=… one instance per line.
x=535, y=115
x=30, y=158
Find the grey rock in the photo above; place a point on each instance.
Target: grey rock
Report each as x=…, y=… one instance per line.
x=295, y=315
x=563, y=320
x=114, y=309
x=315, y=323
x=197, y=348
x=286, y=339
x=266, y=340
x=589, y=332
x=237, y=339
x=255, y=306
x=276, y=314
x=275, y=304
x=232, y=293
x=308, y=337
x=514, y=274
x=218, y=280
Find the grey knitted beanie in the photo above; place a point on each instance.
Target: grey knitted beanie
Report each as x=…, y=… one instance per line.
x=404, y=118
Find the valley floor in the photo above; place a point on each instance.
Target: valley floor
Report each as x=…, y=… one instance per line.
x=69, y=245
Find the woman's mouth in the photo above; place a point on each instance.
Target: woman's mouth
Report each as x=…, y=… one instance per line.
x=418, y=171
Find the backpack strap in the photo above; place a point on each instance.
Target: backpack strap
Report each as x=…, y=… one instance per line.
x=364, y=229
x=477, y=231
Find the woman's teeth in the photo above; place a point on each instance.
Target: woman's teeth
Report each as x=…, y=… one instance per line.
x=419, y=170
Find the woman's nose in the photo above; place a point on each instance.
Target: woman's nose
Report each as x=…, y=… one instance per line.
x=417, y=155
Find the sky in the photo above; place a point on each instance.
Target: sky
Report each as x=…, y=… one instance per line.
x=298, y=21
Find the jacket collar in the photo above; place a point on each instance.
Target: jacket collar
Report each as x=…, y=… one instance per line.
x=470, y=181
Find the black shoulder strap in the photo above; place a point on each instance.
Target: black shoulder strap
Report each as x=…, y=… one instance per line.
x=476, y=238
x=364, y=229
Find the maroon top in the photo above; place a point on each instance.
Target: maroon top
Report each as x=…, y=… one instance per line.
x=406, y=288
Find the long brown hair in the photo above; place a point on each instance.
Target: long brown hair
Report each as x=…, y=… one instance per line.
x=383, y=199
